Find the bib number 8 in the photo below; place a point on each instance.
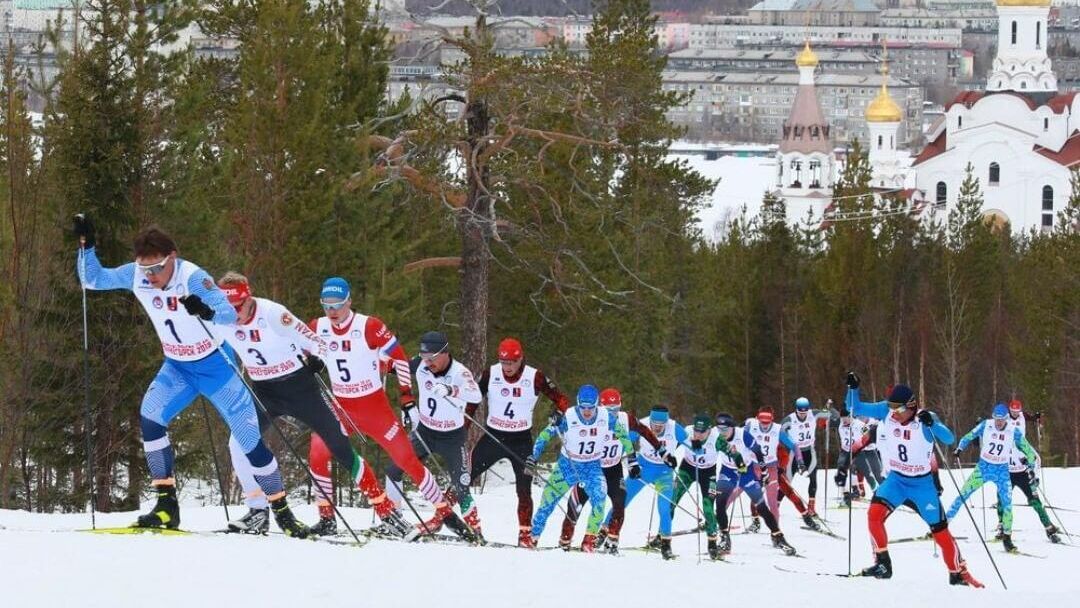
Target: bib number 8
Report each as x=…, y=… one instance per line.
x=901, y=452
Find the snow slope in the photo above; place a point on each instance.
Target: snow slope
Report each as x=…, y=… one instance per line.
x=44, y=561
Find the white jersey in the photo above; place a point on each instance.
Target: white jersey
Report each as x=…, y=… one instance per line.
x=613, y=449
x=1015, y=466
x=769, y=440
x=904, y=448
x=667, y=441
x=445, y=413
x=352, y=364
x=270, y=343
x=707, y=456
x=997, y=447
x=725, y=460
x=510, y=405
x=182, y=335
x=851, y=433
x=584, y=442
x=803, y=432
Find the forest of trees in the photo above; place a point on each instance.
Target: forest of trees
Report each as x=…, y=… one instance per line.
x=547, y=209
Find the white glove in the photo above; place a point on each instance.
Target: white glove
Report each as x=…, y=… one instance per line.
x=442, y=390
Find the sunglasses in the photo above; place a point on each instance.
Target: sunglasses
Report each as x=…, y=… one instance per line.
x=333, y=305
x=430, y=356
x=587, y=406
x=152, y=269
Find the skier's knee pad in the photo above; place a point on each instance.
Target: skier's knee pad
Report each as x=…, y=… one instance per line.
x=260, y=456
x=151, y=430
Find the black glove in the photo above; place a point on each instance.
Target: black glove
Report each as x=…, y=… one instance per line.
x=926, y=417
x=1033, y=480
x=197, y=308
x=406, y=417
x=634, y=470
x=800, y=466
x=530, y=466
x=556, y=418
x=852, y=380
x=841, y=477
x=84, y=230
x=668, y=458
x=314, y=365
x=1037, y=416
x=697, y=444
x=764, y=476
x=956, y=453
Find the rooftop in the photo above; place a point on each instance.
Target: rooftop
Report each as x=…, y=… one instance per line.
x=786, y=78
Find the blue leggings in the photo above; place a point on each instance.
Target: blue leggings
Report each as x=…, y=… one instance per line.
x=998, y=474
x=176, y=385
x=662, y=479
x=567, y=474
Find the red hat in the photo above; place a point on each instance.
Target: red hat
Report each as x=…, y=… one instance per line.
x=1016, y=406
x=610, y=397
x=765, y=415
x=509, y=350
x=237, y=293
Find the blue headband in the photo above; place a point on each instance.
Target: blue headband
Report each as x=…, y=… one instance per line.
x=658, y=416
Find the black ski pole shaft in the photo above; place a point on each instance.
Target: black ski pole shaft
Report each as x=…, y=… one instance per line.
x=214, y=455
x=1046, y=500
x=259, y=404
x=945, y=461
x=88, y=421
x=851, y=503
x=339, y=411
x=697, y=491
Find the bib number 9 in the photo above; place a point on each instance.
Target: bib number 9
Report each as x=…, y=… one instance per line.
x=432, y=405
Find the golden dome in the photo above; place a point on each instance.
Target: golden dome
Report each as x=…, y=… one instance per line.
x=1023, y=2
x=806, y=57
x=883, y=108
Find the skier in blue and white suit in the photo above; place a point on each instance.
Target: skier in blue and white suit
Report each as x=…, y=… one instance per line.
x=177, y=295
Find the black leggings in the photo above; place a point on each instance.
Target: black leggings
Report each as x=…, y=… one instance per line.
x=299, y=396
x=518, y=447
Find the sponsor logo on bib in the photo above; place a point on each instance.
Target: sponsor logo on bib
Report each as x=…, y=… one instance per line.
x=240, y=335
x=158, y=303
x=333, y=346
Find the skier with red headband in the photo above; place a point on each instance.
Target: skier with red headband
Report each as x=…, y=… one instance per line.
x=770, y=437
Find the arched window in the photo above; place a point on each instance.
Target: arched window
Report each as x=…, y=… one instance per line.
x=1048, y=198
x=995, y=174
x=959, y=122
x=1046, y=124
x=880, y=141
x=942, y=193
x=1038, y=34
x=1014, y=32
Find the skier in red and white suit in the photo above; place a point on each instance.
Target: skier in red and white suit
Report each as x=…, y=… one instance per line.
x=359, y=348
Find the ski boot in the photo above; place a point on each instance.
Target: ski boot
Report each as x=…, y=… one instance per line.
x=394, y=524
x=1006, y=541
x=882, y=567
x=810, y=522
x=999, y=532
x=472, y=519
x=754, y=527
x=611, y=545
x=566, y=535
x=713, y=549
x=588, y=544
x=456, y=524
x=601, y=535
x=725, y=543
x=964, y=578
x=257, y=521
x=525, y=538
x=285, y=519
x=810, y=502
x=166, y=511
x=1052, y=534
x=781, y=543
x=665, y=549
x=846, y=501
x=654, y=542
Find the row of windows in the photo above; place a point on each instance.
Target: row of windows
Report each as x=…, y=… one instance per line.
x=941, y=195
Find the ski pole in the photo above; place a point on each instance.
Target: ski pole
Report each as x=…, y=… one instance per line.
x=851, y=501
x=948, y=469
x=258, y=403
x=217, y=467
x=88, y=417
x=427, y=448
x=697, y=499
x=825, y=499
x=1046, y=499
x=343, y=416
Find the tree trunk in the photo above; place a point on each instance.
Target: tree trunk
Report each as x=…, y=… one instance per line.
x=474, y=224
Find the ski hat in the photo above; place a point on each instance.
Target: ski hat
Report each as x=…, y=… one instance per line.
x=725, y=420
x=765, y=415
x=1000, y=411
x=510, y=350
x=610, y=397
x=901, y=394
x=844, y=412
x=659, y=415
x=702, y=423
x=587, y=396
x=802, y=403
x=433, y=343
x=1016, y=406
x=335, y=287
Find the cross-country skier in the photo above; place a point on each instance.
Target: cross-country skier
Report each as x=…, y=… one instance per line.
x=584, y=430
x=786, y=490
x=698, y=466
x=178, y=296
x=769, y=436
x=511, y=389
x=998, y=440
x=269, y=340
x=858, y=451
x=801, y=425
x=1024, y=476
x=607, y=539
x=906, y=441
x=360, y=347
x=742, y=471
x=657, y=467
x=446, y=388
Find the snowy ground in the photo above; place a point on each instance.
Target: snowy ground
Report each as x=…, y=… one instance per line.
x=44, y=561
